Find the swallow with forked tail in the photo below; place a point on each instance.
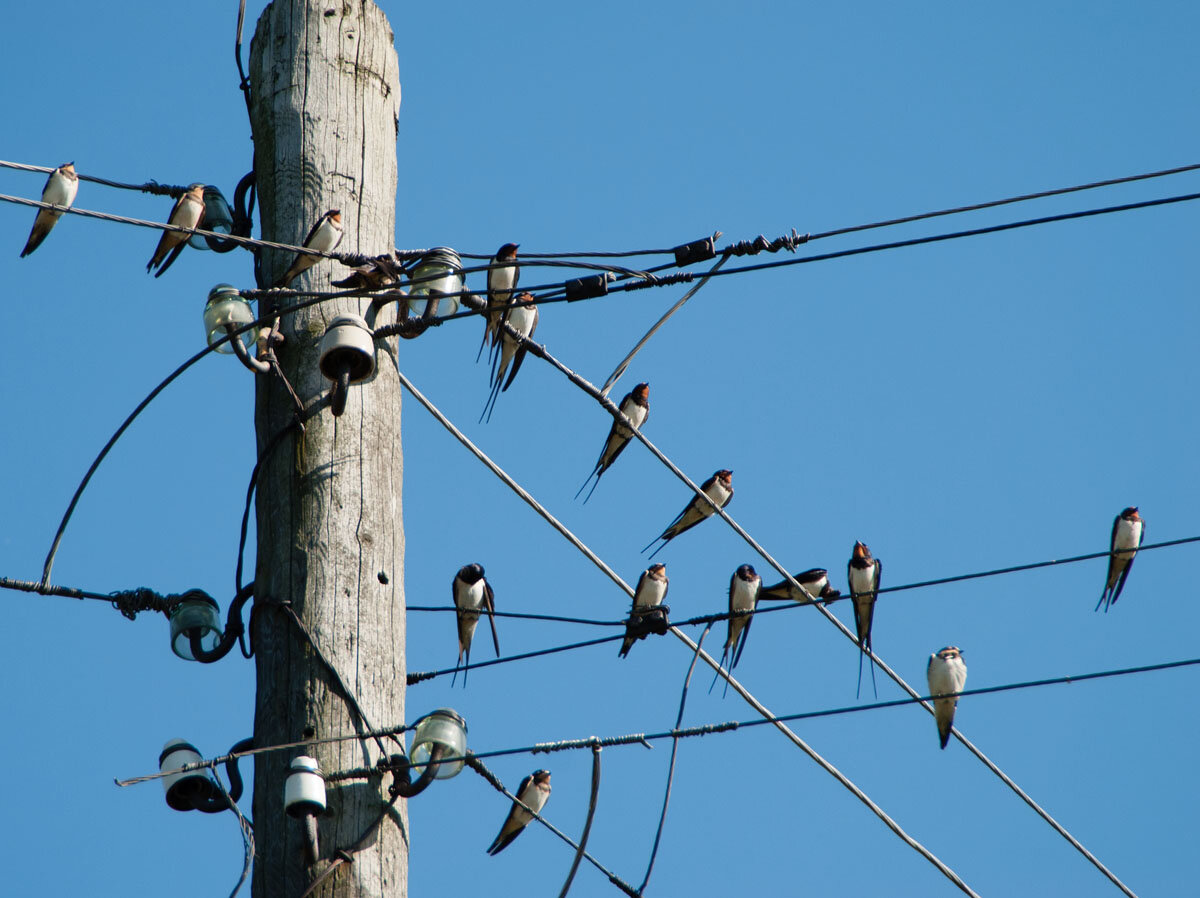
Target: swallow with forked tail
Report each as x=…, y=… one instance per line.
x=744, y=586
x=1128, y=531
x=521, y=316
x=636, y=407
x=60, y=189
x=863, y=574
x=947, y=676
x=472, y=594
x=324, y=237
x=188, y=212
x=502, y=277
x=647, y=600
x=816, y=587
x=718, y=488
x=533, y=792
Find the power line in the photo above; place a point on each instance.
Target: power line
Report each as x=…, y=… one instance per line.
x=708, y=729
x=147, y=187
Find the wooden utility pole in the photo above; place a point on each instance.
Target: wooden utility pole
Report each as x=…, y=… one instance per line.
x=325, y=96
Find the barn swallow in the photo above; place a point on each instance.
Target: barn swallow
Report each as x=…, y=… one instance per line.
x=1128, y=531
x=863, y=573
x=650, y=592
x=719, y=488
x=503, y=274
x=533, y=792
x=815, y=582
x=947, y=676
x=472, y=592
x=636, y=407
x=743, y=598
x=522, y=316
x=324, y=237
x=188, y=212
x=60, y=189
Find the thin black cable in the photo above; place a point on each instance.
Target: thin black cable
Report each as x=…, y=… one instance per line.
x=685, y=732
x=347, y=694
x=148, y=187
x=587, y=824
x=974, y=207
x=522, y=616
x=247, y=833
x=858, y=251
x=953, y=235
x=414, y=678
x=836, y=232
x=271, y=446
x=728, y=726
x=662, y=818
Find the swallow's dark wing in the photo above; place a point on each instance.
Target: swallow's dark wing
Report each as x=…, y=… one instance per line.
x=741, y=641
x=1112, y=555
x=520, y=355
x=489, y=602
x=179, y=246
x=1128, y=566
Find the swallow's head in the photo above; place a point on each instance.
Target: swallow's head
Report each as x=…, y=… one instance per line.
x=812, y=577
x=541, y=777
x=950, y=652
x=726, y=477
x=657, y=571
x=335, y=215
x=471, y=573
x=68, y=169
x=746, y=572
x=641, y=392
x=1131, y=514
x=861, y=550
x=505, y=254
x=524, y=298
x=196, y=191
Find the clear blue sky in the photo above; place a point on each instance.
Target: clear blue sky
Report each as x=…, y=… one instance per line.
x=961, y=406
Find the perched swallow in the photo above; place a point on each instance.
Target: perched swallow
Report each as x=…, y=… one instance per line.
x=471, y=593
x=522, y=316
x=719, y=488
x=1129, y=528
x=503, y=274
x=947, y=676
x=188, y=212
x=863, y=573
x=60, y=189
x=636, y=407
x=815, y=581
x=650, y=592
x=324, y=237
x=743, y=598
x=533, y=792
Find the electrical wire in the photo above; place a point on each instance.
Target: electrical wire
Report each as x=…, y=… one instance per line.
x=147, y=187
x=587, y=824
x=247, y=833
x=662, y=817
x=837, y=232
x=549, y=747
